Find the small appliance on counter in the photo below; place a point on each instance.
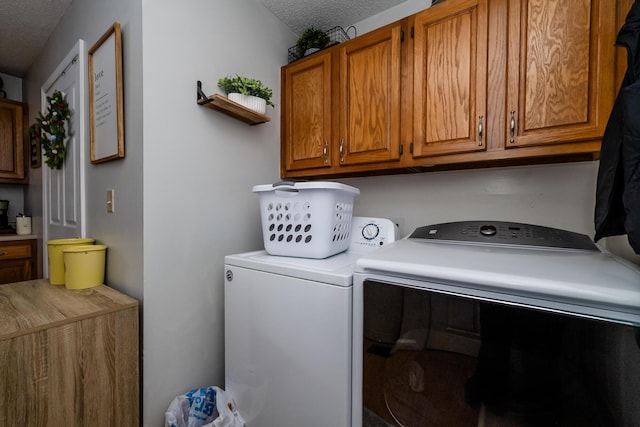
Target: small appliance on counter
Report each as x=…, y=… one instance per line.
x=23, y=224
x=4, y=218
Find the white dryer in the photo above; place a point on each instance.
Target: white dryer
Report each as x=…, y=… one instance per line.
x=288, y=332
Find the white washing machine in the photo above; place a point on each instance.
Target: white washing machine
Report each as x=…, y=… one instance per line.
x=288, y=332
x=559, y=338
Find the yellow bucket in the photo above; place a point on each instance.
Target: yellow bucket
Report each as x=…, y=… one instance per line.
x=84, y=266
x=56, y=260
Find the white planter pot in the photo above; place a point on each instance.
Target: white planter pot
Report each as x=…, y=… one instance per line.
x=254, y=103
x=310, y=51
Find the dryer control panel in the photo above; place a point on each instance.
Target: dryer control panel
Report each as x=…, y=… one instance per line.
x=368, y=234
x=504, y=234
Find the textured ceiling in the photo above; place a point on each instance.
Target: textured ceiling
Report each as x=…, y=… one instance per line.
x=325, y=14
x=25, y=25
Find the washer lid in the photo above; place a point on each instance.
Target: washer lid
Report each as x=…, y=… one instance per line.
x=590, y=283
x=367, y=234
x=335, y=270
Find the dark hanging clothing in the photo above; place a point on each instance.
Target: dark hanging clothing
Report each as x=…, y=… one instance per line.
x=618, y=187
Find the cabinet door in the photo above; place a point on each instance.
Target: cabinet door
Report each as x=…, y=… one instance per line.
x=307, y=95
x=370, y=83
x=450, y=71
x=561, y=70
x=15, y=271
x=12, y=141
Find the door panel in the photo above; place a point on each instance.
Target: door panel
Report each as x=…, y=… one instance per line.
x=307, y=121
x=370, y=102
x=63, y=195
x=450, y=69
x=557, y=91
x=63, y=189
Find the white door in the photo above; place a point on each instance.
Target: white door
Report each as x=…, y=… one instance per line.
x=63, y=190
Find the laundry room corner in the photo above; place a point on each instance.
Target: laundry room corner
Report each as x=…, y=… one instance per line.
x=199, y=168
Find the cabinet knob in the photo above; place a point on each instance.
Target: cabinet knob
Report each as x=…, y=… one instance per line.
x=342, y=150
x=324, y=153
x=480, y=131
x=3, y=253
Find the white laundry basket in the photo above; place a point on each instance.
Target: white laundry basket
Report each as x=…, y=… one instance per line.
x=306, y=219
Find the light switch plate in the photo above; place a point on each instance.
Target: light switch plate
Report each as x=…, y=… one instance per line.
x=111, y=196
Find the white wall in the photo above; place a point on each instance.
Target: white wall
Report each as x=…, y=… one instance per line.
x=400, y=11
x=121, y=231
x=560, y=196
x=199, y=167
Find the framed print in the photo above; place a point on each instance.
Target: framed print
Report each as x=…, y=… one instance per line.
x=105, y=97
x=35, y=147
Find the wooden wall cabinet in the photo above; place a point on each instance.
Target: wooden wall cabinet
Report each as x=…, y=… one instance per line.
x=449, y=79
x=481, y=84
x=370, y=102
x=342, y=106
x=14, y=142
x=18, y=260
x=561, y=74
x=307, y=118
x=69, y=357
x=535, y=79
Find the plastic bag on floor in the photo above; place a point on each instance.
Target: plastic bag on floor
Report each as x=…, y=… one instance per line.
x=203, y=407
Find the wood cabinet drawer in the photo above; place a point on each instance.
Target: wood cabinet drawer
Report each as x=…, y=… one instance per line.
x=15, y=251
x=18, y=260
x=15, y=271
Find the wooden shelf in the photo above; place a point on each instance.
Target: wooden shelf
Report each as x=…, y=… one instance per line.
x=224, y=105
x=233, y=109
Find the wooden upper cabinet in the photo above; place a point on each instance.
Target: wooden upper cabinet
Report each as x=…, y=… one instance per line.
x=307, y=116
x=13, y=142
x=473, y=83
x=449, y=78
x=342, y=106
x=560, y=70
x=370, y=94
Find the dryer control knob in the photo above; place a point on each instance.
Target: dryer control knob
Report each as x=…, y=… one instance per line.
x=370, y=231
x=488, y=230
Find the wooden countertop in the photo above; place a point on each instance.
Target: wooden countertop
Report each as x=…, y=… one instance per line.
x=34, y=305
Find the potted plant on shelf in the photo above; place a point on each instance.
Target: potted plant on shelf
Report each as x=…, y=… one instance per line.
x=248, y=92
x=312, y=40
